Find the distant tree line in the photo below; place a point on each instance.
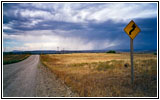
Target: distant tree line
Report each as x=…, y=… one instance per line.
x=155, y=53
x=111, y=51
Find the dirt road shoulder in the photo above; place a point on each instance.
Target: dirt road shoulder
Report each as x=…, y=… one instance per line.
x=48, y=86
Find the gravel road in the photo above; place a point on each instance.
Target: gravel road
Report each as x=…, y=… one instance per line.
x=29, y=78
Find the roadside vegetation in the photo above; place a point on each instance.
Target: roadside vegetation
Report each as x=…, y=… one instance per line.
x=13, y=58
x=105, y=75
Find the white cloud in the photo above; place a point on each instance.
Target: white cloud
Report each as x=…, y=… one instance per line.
x=98, y=13
x=7, y=27
x=84, y=12
x=122, y=12
x=35, y=14
x=30, y=24
x=39, y=41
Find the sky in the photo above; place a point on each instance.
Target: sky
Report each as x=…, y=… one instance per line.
x=77, y=26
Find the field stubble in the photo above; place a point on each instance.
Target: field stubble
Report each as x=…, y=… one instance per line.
x=105, y=75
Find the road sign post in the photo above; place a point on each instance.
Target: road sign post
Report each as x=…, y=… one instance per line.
x=132, y=30
x=132, y=68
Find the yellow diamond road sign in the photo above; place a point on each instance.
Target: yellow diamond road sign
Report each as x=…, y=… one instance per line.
x=132, y=29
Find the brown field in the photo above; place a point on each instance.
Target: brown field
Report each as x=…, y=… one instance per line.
x=13, y=58
x=105, y=75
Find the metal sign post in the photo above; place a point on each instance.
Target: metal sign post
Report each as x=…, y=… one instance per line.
x=132, y=30
x=132, y=68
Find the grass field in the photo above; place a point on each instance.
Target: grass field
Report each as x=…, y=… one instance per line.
x=105, y=75
x=13, y=58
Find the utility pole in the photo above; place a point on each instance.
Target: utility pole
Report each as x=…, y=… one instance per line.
x=57, y=49
x=42, y=50
x=63, y=50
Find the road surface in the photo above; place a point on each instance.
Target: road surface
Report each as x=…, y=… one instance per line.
x=29, y=78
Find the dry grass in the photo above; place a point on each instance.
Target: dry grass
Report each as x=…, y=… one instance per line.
x=13, y=58
x=105, y=75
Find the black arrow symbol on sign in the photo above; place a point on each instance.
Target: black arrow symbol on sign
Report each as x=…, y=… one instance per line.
x=133, y=28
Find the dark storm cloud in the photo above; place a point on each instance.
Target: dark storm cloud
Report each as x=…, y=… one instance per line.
x=147, y=38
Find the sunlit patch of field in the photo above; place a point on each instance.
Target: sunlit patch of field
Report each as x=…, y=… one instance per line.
x=105, y=75
x=13, y=58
